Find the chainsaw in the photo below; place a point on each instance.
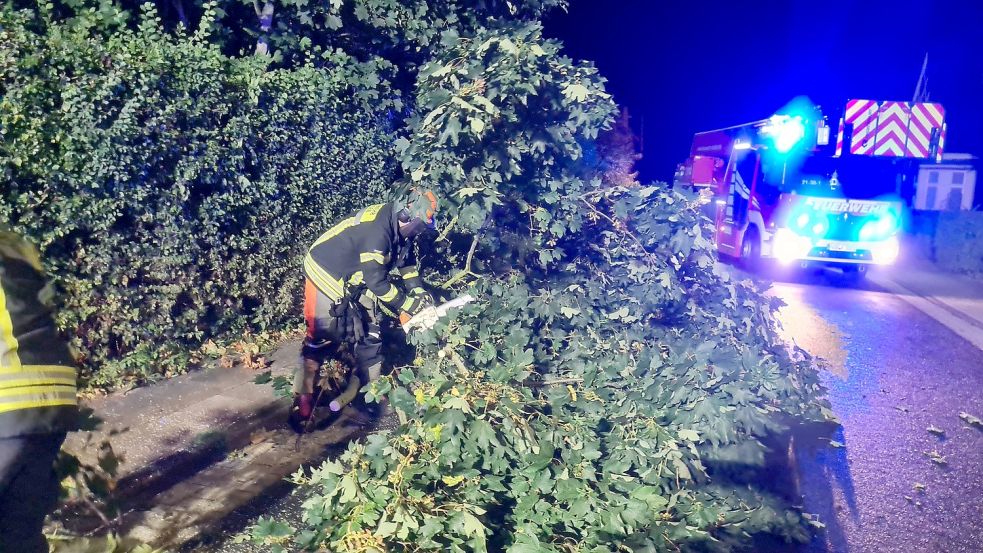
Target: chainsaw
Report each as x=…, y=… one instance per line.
x=426, y=319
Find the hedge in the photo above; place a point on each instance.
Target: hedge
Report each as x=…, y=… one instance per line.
x=172, y=189
x=959, y=241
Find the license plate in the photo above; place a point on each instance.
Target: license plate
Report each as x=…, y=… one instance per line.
x=842, y=247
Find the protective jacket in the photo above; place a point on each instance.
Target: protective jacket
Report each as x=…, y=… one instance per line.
x=358, y=255
x=37, y=373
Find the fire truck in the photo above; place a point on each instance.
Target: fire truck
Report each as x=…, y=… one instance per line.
x=784, y=188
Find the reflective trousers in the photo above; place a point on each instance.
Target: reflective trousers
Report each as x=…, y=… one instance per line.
x=28, y=490
x=331, y=327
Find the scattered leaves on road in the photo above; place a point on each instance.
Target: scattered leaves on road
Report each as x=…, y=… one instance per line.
x=902, y=408
x=936, y=457
x=971, y=420
x=936, y=430
x=919, y=487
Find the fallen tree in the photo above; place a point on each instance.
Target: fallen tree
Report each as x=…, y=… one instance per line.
x=609, y=390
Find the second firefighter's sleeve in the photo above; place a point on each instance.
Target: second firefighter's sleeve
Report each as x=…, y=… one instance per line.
x=374, y=272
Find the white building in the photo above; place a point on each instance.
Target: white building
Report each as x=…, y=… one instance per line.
x=946, y=186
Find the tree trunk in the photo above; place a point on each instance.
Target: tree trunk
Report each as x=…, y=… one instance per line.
x=265, y=16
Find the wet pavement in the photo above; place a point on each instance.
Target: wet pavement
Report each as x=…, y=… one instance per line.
x=895, y=372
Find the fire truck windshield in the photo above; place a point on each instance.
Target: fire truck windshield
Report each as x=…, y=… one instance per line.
x=856, y=177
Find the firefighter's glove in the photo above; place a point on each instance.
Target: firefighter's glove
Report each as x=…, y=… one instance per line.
x=423, y=295
x=300, y=412
x=415, y=306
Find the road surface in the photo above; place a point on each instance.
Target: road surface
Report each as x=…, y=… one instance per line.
x=894, y=373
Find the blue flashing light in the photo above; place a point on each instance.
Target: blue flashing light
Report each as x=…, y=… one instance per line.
x=785, y=131
x=788, y=134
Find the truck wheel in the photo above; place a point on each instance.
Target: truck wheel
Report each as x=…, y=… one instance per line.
x=751, y=249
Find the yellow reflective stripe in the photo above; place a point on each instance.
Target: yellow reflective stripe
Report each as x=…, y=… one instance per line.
x=34, y=404
x=376, y=256
x=336, y=230
x=390, y=295
x=37, y=381
x=323, y=280
x=356, y=278
x=370, y=213
x=58, y=369
x=38, y=390
x=411, y=274
x=8, y=343
x=407, y=303
x=386, y=310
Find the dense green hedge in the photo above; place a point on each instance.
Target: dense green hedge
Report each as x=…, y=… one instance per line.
x=172, y=189
x=959, y=241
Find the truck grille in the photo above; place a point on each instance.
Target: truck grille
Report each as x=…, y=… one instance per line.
x=844, y=226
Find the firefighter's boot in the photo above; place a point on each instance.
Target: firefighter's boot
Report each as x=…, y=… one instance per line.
x=303, y=405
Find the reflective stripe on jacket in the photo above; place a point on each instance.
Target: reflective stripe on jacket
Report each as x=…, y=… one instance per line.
x=359, y=253
x=37, y=374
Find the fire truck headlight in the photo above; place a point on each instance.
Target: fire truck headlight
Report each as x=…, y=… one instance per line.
x=787, y=246
x=885, y=252
x=880, y=228
x=819, y=229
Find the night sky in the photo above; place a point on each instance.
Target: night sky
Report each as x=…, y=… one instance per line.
x=685, y=66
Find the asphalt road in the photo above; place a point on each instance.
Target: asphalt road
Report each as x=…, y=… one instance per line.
x=894, y=372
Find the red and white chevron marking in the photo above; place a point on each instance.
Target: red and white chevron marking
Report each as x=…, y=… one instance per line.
x=892, y=129
x=839, y=140
x=925, y=120
x=863, y=115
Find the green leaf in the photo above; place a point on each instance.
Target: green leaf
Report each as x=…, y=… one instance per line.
x=452, y=128
x=333, y=22
x=484, y=434
x=690, y=435
x=386, y=529
x=472, y=526
x=576, y=92
x=477, y=125
x=452, y=480
x=569, y=311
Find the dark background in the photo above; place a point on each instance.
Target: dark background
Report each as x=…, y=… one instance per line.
x=686, y=66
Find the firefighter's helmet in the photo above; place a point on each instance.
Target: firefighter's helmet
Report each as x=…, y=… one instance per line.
x=422, y=204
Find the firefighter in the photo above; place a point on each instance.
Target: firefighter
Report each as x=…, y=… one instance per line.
x=348, y=289
x=38, y=402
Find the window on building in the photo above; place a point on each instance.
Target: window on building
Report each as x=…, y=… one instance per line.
x=957, y=177
x=954, y=201
x=933, y=177
x=930, y=194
